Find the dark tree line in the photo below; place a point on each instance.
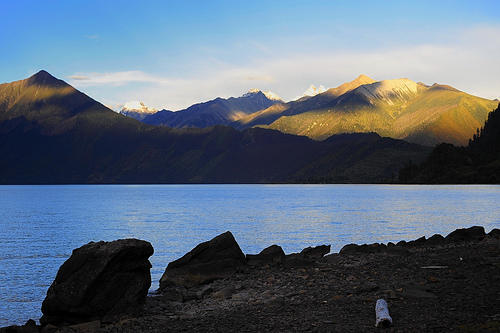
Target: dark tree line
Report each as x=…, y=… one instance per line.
x=479, y=162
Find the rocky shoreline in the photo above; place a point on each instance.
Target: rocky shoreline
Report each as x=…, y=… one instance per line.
x=438, y=284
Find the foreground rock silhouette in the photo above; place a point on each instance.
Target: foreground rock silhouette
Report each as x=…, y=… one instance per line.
x=437, y=284
x=432, y=285
x=215, y=259
x=99, y=280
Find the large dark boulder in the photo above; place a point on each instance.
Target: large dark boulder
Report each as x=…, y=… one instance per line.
x=208, y=261
x=466, y=235
x=270, y=255
x=99, y=280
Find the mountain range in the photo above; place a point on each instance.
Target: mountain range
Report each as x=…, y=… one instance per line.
x=400, y=109
x=219, y=111
x=52, y=133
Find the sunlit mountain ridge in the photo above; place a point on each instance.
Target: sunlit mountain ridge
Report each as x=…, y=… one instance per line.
x=401, y=109
x=397, y=108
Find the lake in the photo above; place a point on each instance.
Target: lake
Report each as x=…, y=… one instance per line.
x=41, y=225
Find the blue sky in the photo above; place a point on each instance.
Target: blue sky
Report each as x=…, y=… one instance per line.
x=173, y=54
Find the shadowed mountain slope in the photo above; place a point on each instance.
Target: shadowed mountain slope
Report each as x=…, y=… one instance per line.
x=52, y=133
x=44, y=99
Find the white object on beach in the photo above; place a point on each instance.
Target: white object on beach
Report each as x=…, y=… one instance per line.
x=383, y=319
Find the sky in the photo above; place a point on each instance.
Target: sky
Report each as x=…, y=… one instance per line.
x=172, y=54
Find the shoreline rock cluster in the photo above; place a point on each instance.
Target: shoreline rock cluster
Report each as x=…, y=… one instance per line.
x=103, y=287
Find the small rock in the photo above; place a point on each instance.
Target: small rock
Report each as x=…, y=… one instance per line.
x=365, y=248
x=270, y=255
x=316, y=252
x=435, y=239
x=465, y=235
x=401, y=243
x=417, y=242
x=495, y=233
x=349, y=249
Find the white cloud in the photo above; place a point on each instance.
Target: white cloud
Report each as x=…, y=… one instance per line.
x=468, y=61
x=114, y=78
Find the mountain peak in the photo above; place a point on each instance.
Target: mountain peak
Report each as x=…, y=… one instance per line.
x=348, y=86
x=269, y=94
x=44, y=78
x=42, y=75
x=437, y=86
x=363, y=78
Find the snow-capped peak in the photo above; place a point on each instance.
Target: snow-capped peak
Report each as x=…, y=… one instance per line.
x=137, y=106
x=313, y=90
x=272, y=96
x=269, y=94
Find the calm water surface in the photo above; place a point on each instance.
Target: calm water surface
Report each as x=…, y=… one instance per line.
x=40, y=225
